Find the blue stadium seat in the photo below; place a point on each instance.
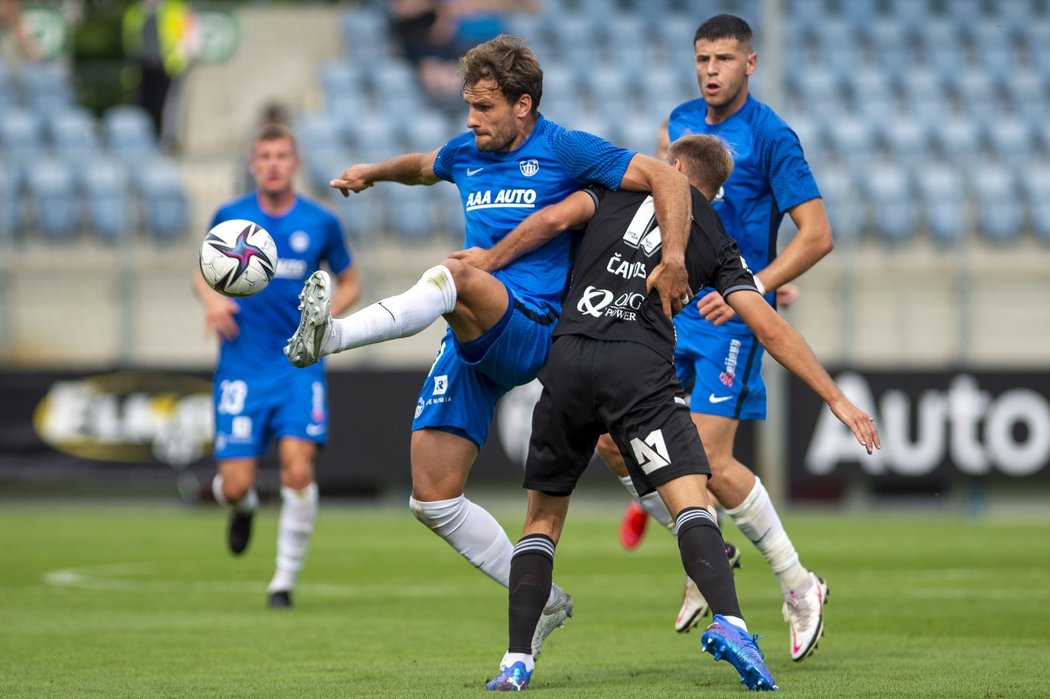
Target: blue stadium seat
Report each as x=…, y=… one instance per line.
x=52, y=193
x=318, y=130
x=942, y=193
x=810, y=134
x=924, y=83
x=339, y=78
x=941, y=47
x=894, y=216
x=362, y=214
x=322, y=163
x=74, y=134
x=129, y=133
x=364, y=33
x=164, y=202
x=10, y=204
x=1036, y=186
x=1026, y=93
x=845, y=208
x=430, y=129
x=1011, y=137
x=852, y=139
x=965, y=12
x=373, y=136
x=47, y=86
x=107, y=198
x=412, y=213
x=906, y=139
x=909, y=13
x=958, y=138
x=998, y=205
x=21, y=136
x=860, y=13
x=821, y=87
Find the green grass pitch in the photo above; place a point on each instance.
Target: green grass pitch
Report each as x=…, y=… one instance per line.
x=119, y=600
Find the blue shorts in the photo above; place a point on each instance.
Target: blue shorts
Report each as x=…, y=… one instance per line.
x=723, y=370
x=251, y=411
x=467, y=379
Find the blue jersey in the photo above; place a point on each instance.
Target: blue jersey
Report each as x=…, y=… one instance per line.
x=305, y=236
x=500, y=190
x=770, y=176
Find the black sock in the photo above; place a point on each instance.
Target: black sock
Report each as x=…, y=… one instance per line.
x=704, y=559
x=531, y=571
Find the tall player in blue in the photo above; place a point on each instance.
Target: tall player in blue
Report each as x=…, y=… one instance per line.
x=510, y=163
x=716, y=352
x=258, y=397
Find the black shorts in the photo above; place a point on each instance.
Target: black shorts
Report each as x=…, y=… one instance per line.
x=595, y=386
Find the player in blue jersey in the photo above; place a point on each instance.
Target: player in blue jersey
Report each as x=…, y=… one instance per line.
x=510, y=163
x=258, y=397
x=716, y=353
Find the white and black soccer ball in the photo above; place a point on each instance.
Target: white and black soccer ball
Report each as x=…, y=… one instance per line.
x=238, y=258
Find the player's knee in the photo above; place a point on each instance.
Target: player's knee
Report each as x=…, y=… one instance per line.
x=438, y=515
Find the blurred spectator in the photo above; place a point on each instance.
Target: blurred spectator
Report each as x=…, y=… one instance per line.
x=11, y=25
x=433, y=34
x=161, y=37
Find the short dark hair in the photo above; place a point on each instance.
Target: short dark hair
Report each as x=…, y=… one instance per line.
x=508, y=61
x=275, y=132
x=707, y=162
x=725, y=27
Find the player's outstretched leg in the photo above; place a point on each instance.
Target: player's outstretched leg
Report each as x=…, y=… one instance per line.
x=804, y=613
x=315, y=324
x=694, y=606
x=726, y=641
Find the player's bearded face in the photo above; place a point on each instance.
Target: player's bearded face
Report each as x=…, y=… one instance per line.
x=722, y=68
x=490, y=116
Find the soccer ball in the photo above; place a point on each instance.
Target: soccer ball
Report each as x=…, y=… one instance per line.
x=238, y=258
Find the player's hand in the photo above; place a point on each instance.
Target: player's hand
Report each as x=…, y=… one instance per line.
x=786, y=295
x=714, y=308
x=478, y=258
x=672, y=283
x=220, y=317
x=859, y=422
x=352, y=180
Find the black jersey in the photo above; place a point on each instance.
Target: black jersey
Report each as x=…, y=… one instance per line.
x=619, y=248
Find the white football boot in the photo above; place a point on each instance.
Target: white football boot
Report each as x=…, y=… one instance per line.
x=315, y=324
x=553, y=617
x=805, y=615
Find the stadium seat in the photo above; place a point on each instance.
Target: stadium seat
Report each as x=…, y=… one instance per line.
x=430, y=129
x=851, y=139
x=340, y=78
x=958, y=138
x=906, y=138
x=21, y=136
x=362, y=215
x=129, y=133
x=10, y=204
x=165, y=206
x=998, y=206
x=364, y=33
x=1012, y=138
x=844, y=206
x=942, y=193
x=894, y=216
x=46, y=85
x=107, y=199
x=74, y=135
x=941, y=47
x=52, y=192
x=322, y=163
x=912, y=14
x=1036, y=186
x=860, y=13
x=412, y=212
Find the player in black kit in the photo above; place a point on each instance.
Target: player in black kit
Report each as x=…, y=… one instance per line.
x=611, y=369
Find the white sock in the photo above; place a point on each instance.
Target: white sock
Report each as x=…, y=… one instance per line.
x=652, y=503
x=511, y=658
x=397, y=316
x=298, y=511
x=246, y=504
x=737, y=622
x=759, y=522
x=471, y=531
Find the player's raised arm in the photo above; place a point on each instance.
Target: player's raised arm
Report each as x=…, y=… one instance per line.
x=409, y=168
x=540, y=227
x=674, y=209
x=789, y=348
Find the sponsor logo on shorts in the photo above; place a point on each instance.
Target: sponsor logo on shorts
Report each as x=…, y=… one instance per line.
x=241, y=428
x=651, y=452
x=729, y=375
x=440, y=385
x=419, y=407
x=717, y=399
x=315, y=430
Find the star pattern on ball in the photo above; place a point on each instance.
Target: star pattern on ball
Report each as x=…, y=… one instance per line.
x=243, y=252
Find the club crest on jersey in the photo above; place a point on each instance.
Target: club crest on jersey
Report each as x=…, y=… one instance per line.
x=529, y=167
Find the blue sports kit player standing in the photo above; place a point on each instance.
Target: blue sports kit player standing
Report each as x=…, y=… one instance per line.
x=716, y=353
x=512, y=162
x=258, y=397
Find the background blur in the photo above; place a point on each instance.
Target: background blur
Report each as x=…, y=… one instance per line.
x=924, y=122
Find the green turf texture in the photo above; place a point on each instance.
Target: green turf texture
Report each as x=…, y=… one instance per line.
x=118, y=600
